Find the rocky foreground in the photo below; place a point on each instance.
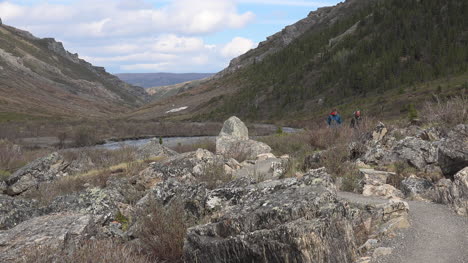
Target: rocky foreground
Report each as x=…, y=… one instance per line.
x=237, y=203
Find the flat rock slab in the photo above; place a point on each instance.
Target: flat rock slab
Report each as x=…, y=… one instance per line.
x=59, y=230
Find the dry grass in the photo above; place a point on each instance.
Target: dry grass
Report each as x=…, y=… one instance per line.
x=162, y=231
x=203, y=144
x=446, y=114
x=102, y=251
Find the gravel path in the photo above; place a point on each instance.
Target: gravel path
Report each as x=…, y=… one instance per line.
x=436, y=235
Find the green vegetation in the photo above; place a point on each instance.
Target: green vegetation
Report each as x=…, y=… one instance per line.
x=396, y=45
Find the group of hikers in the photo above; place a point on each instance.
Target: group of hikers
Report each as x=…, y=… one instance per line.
x=334, y=119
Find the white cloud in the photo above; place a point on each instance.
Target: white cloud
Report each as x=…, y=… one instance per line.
x=110, y=18
x=285, y=2
x=237, y=46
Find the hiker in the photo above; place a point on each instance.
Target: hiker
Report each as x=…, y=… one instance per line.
x=356, y=120
x=334, y=118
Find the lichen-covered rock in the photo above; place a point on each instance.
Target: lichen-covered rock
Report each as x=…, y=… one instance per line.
x=59, y=231
x=300, y=220
x=154, y=149
x=14, y=211
x=417, y=152
x=454, y=193
x=41, y=170
x=453, y=150
x=417, y=188
x=384, y=190
x=191, y=165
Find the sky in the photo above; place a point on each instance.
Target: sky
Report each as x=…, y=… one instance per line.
x=177, y=36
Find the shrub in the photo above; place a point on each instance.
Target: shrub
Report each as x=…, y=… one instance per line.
x=206, y=144
x=162, y=231
x=446, y=114
x=85, y=137
x=412, y=112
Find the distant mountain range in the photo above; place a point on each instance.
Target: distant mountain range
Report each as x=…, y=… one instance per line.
x=149, y=80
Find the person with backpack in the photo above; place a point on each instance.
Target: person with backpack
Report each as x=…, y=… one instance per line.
x=334, y=119
x=356, y=120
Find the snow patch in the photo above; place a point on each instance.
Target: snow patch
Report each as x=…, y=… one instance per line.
x=177, y=109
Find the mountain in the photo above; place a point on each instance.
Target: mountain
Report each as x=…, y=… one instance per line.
x=375, y=55
x=164, y=92
x=39, y=78
x=149, y=80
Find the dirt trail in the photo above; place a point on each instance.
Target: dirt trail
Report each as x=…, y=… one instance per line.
x=436, y=235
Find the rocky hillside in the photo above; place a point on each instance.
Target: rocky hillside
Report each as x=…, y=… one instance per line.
x=376, y=55
x=40, y=78
x=242, y=203
x=150, y=80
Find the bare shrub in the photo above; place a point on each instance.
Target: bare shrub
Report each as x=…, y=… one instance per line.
x=214, y=175
x=85, y=136
x=402, y=170
x=294, y=144
x=102, y=251
x=446, y=114
x=202, y=144
x=162, y=230
x=336, y=161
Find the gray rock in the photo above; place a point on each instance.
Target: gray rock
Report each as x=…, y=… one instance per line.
x=59, y=231
x=418, y=188
x=235, y=128
x=453, y=150
x=299, y=220
x=41, y=170
x=154, y=149
x=233, y=142
x=417, y=152
x=455, y=193
x=382, y=251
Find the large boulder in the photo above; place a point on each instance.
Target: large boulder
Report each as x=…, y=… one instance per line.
x=41, y=170
x=417, y=152
x=57, y=231
x=453, y=150
x=233, y=141
x=454, y=193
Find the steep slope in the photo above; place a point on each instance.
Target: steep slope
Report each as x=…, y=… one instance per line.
x=149, y=80
x=378, y=55
x=38, y=77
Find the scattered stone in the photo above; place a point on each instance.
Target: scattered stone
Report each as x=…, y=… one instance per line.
x=14, y=211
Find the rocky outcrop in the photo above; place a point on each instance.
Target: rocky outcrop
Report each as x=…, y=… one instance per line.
x=453, y=150
x=58, y=231
x=300, y=220
x=233, y=141
x=154, y=149
x=455, y=193
x=41, y=170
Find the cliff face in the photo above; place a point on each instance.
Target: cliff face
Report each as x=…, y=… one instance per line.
x=40, y=77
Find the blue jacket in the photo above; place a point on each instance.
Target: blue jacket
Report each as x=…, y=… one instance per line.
x=334, y=119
